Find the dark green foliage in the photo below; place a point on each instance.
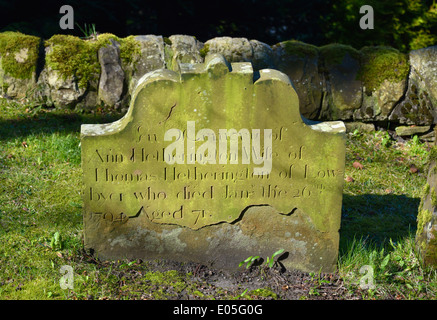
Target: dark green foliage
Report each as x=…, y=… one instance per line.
x=402, y=24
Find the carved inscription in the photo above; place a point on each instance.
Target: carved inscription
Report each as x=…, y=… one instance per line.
x=166, y=193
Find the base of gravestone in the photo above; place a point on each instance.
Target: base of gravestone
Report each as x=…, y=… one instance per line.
x=260, y=231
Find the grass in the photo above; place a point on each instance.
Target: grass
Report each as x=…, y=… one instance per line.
x=41, y=219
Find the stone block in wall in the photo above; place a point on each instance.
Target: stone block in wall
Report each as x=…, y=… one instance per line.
x=299, y=61
x=150, y=57
x=18, y=64
x=384, y=73
x=263, y=55
x=403, y=131
x=112, y=76
x=424, y=69
x=340, y=65
x=71, y=71
x=418, y=106
x=233, y=49
x=182, y=49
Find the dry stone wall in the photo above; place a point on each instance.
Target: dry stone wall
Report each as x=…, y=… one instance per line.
x=333, y=82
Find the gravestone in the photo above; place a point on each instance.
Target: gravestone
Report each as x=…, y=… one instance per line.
x=426, y=233
x=213, y=164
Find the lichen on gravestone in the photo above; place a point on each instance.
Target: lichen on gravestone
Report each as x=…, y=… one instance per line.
x=212, y=164
x=426, y=233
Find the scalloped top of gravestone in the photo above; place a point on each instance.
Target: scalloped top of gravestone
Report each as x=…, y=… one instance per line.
x=213, y=164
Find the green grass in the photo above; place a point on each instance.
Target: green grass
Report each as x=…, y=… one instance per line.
x=41, y=219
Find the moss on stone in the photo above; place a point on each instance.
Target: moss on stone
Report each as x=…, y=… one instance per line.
x=430, y=254
x=167, y=41
x=426, y=189
x=333, y=54
x=423, y=218
x=300, y=49
x=19, y=54
x=129, y=49
x=204, y=51
x=433, y=198
x=75, y=57
x=168, y=57
x=432, y=155
x=263, y=292
x=382, y=63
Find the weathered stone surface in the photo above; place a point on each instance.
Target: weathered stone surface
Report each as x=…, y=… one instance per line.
x=111, y=82
x=138, y=203
x=263, y=55
x=411, y=130
x=59, y=90
x=341, y=65
x=151, y=58
x=18, y=64
x=360, y=126
x=378, y=105
x=299, y=61
x=428, y=137
x=233, y=49
x=416, y=107
x=426, y=234
x=424, y=68
x=184, y=49
x=384, y=73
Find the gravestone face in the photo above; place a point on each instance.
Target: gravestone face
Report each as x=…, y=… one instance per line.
x=426, y=233
x=213, y=164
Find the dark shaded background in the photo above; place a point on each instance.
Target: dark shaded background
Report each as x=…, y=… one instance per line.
x=403, y=24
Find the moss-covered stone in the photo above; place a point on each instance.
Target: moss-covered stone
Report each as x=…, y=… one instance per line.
x=19, y=54
x=78, y=58
x=423, y=218
x=300, y=49
x=333, y=54
x=430, y=255
x=340, y=65
x=382, y=63
x=204, y=51
x=432, y=155
x=130, y=49
x=73, y=57
x=427, y=218
x=300, y=62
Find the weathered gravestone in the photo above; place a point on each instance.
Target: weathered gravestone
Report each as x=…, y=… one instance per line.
x=213, y=164
x=426, y=234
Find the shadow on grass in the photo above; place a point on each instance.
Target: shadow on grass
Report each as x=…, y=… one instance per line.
x=50, y=122
x=377, y=218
